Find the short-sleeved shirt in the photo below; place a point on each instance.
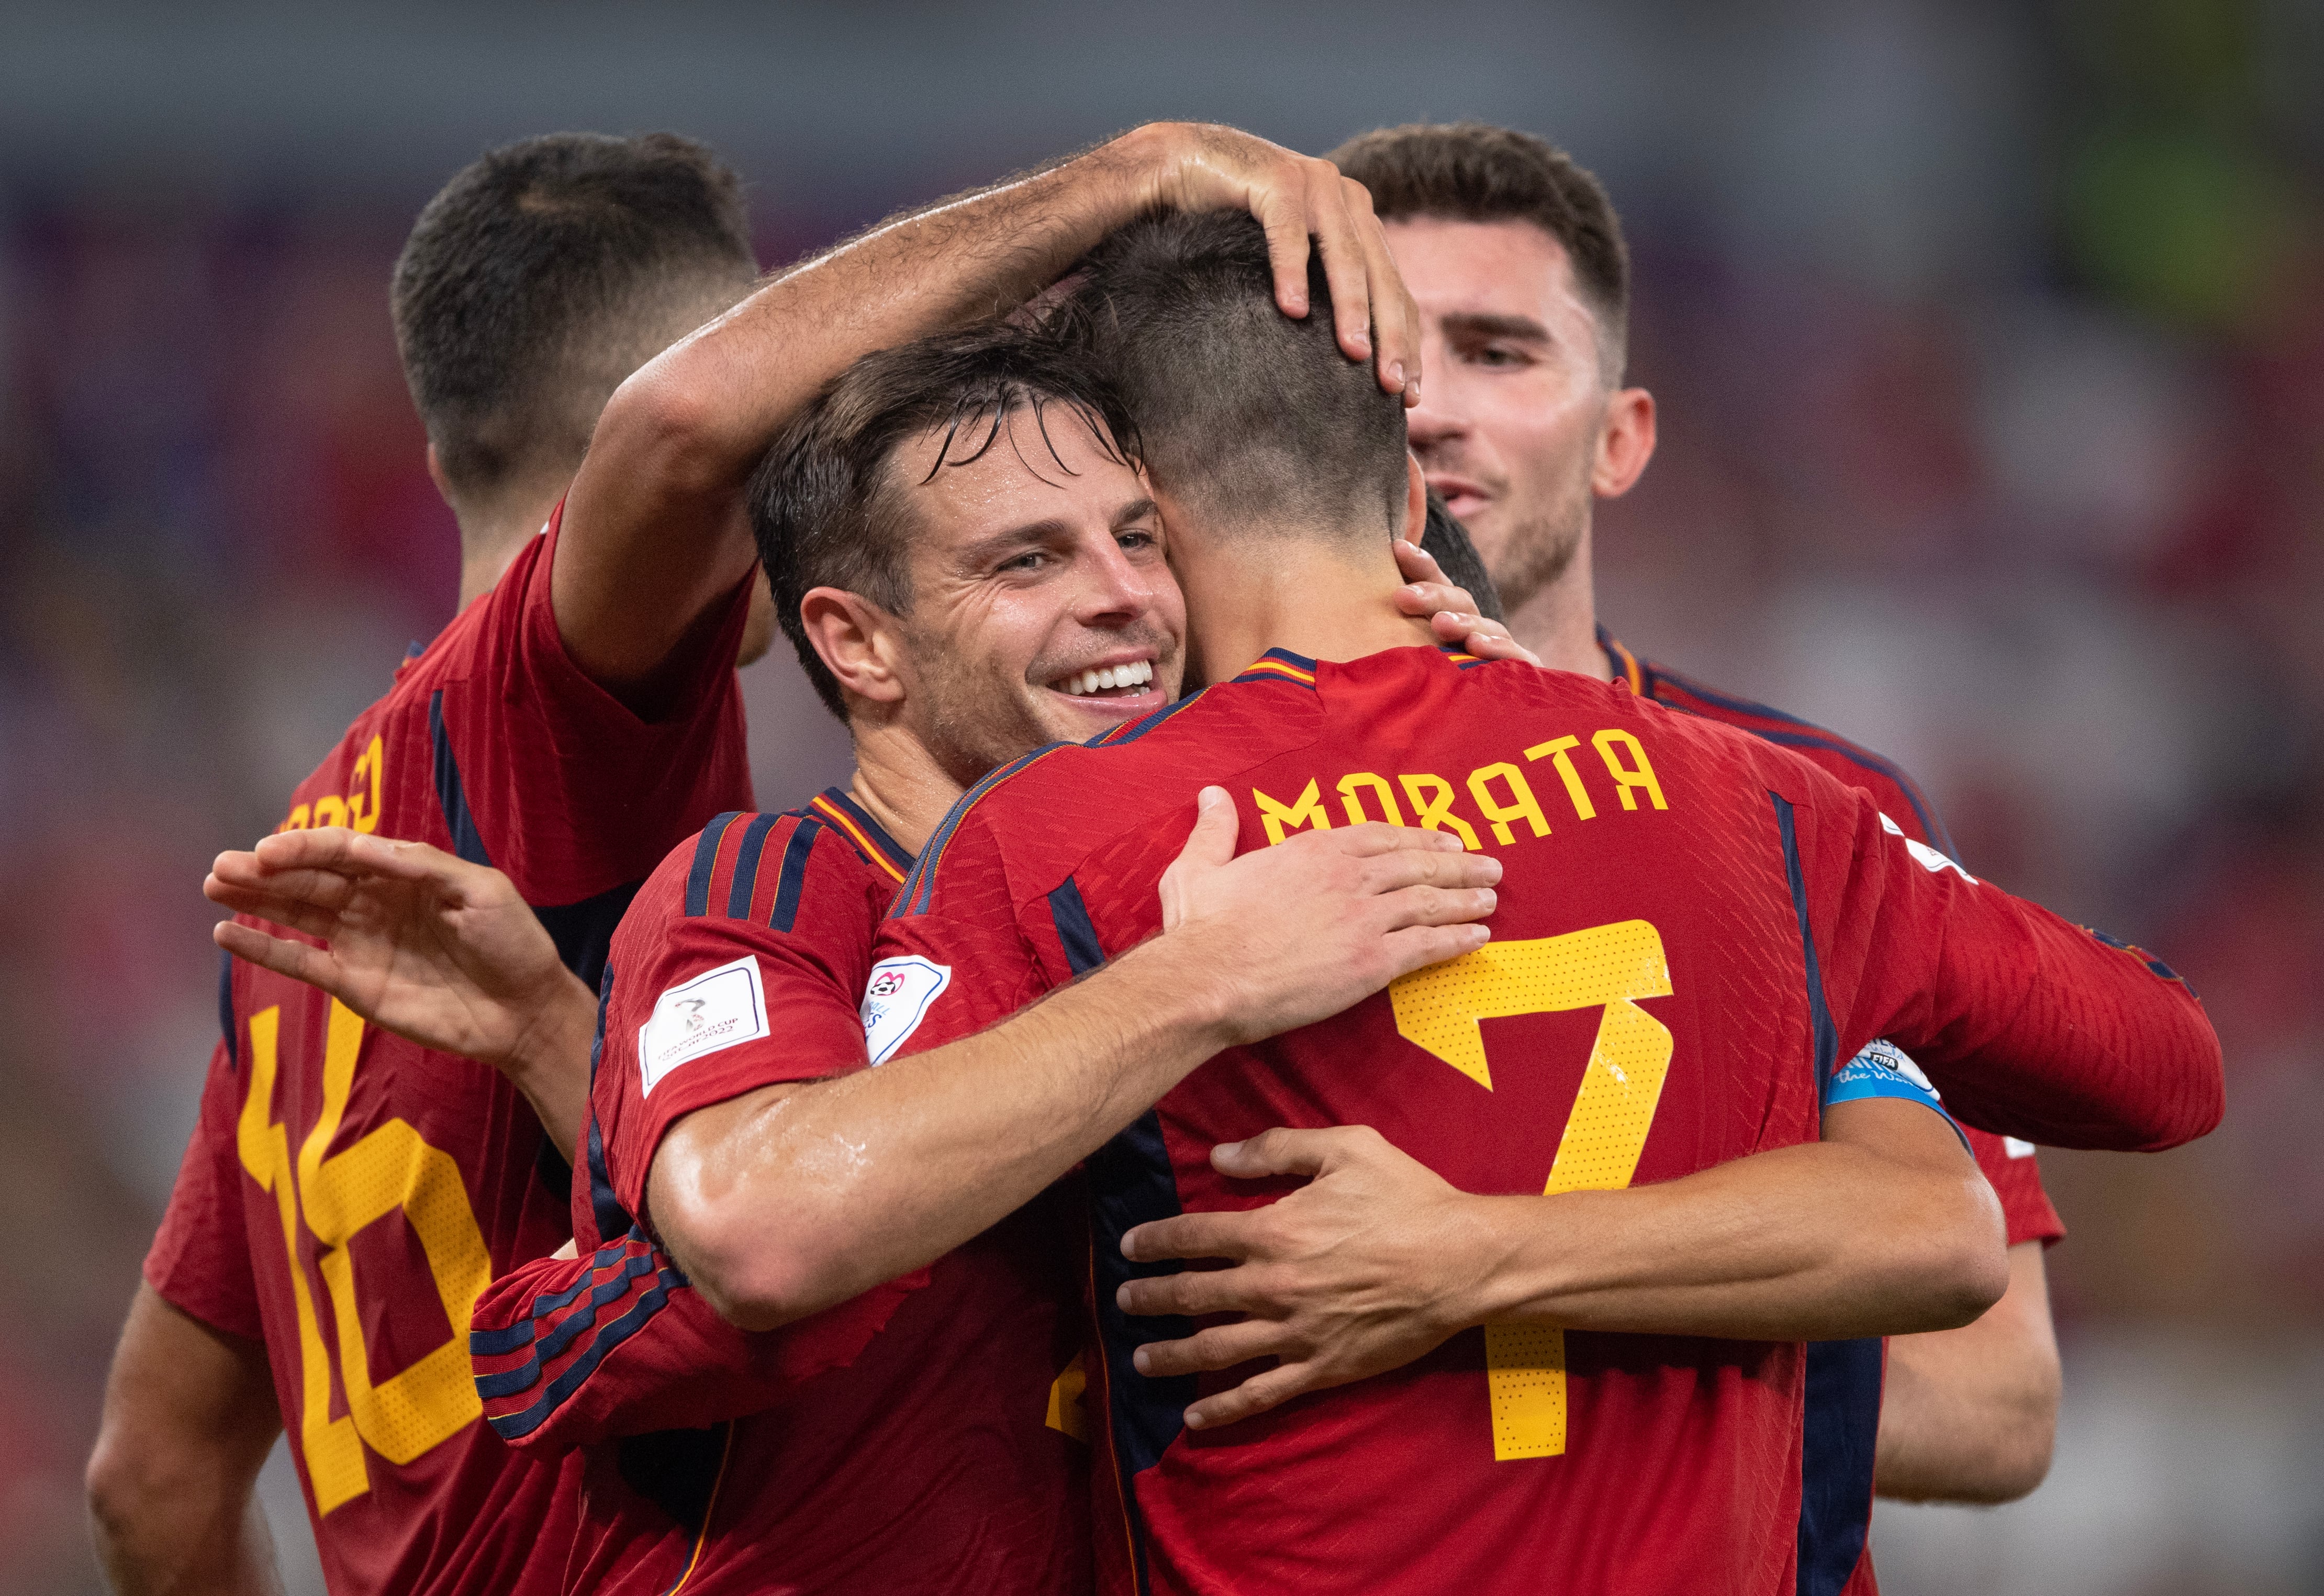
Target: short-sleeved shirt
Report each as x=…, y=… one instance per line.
x=348, y=1195
x=903, y=1441
x=1696, y=930
x=1844, y=1377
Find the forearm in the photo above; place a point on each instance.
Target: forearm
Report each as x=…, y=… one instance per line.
x=654, y=529
x=788, y=1202
x=1970, y=1414
x=1815, y=1242
x=549, y=1062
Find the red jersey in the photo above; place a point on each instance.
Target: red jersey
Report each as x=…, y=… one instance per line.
x=1845, y=1377
x=1696, y=930
x=904, y=1441
x=347, y=1195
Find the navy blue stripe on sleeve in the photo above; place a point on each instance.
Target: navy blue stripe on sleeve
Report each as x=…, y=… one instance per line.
x=746, y=866
x=792, y=882
x=706, y=859
x=1083, y=951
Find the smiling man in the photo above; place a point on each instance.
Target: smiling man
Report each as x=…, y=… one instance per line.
x=1517, y=259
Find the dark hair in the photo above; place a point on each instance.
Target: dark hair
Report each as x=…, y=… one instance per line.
x=1470, y=172
x=545, y=272
x=1243, y=410
x=824, y=504
x=1448, y=541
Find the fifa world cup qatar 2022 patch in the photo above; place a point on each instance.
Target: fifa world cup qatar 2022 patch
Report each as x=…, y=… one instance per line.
x=716, y=1009
x=896, y=1000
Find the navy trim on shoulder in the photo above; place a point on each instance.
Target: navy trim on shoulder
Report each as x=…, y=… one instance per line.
x=468, y=842
x=792, y=881
x=1139, y=728
x=919, y=887
x=1840, y=1432
x=746, y=866
x=705, y=860
x=1827, y=1035
x=1083, y=953
x=1810, y=736
x=511, y=1426
x=873, y=831
x=226, y=1027
x=584, y=931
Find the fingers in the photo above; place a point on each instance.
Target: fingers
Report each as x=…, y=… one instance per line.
x=1433, y=598
x=296, y=914
x=1269, y=1389
x=1420, y=946
x=1417, y=565
x=242, y=873
x=354, y=852
x=1220, y=1346
x=1227, y=1233
x=1488, y=639
x=1212, y=839
x=1454, y=869
x=312, y=966
x=1395, y=317
x=1349, y=267
x=1279, y=1151
x=1192, y=1294
x=1286, y=248
x=1369, y=840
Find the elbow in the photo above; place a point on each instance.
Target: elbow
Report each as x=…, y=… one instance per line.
x=1961, y=1267
x=662, y=429
x=753, y=1281
x=122, y=1482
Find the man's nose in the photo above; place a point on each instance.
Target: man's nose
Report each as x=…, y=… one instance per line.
x=1114, y=587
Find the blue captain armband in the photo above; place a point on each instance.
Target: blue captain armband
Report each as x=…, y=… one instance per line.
x=1883, y=1070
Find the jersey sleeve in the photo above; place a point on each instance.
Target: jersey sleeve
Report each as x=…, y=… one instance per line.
x=954, y=959
x=2028, y=1025
x=568, y=1352
x=547, y=776
x=738, y=968
x=200, y=1262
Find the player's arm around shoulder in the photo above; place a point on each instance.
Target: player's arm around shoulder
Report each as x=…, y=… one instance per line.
x=787, y=1201
x=1970, y=1414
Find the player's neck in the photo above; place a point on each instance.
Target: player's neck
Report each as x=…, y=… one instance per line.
x=1312, y=598
x=899, y=782
x=493, y=532
x=1559, y=621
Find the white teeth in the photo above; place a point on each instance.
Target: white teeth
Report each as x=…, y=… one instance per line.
x=1137, y=673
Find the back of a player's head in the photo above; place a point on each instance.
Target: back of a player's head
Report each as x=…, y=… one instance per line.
x=1247, y=417
x=1470, y=172
x=543, y=274
x=830, y=505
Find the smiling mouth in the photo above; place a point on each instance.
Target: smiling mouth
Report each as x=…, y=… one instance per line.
x=1128, y=680
x=1459, y=495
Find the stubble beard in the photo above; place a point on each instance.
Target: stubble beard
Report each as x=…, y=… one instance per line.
x=1540, y=547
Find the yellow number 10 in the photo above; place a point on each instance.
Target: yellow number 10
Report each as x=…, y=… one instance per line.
x=390, y=1168
x=1439, y=1010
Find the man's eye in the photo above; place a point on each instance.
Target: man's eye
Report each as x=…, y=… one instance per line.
x=1501, y=354
x=1032, y=560
x=1136, y=539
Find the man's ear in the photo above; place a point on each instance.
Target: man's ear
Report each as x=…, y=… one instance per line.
x=436, y=473
x=1625, y=442
x=1415, y=499
x=858, y=642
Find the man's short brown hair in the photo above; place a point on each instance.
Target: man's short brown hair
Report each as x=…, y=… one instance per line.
x=545, y=272
x=825, y=505
x=1470, y=172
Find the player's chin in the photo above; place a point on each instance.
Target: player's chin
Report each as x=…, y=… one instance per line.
x=1079, y=716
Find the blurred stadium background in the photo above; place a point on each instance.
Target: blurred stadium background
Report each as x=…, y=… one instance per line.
x=1989, y=339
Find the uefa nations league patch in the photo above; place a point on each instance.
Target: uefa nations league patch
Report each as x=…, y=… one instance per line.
x=719, y=1008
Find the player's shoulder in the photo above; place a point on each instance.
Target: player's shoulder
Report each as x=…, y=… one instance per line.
x=1894, y=791
x=770, y=869
x=1033, y=819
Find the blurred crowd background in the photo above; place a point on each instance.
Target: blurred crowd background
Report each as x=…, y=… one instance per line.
x=1990, y=342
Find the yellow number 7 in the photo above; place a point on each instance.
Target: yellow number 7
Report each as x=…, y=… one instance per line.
x=1439, y=1010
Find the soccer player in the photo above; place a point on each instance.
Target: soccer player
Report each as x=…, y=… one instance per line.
x=573, y=723
x=579, y=715
x=1516, y=258
x=1696, y=930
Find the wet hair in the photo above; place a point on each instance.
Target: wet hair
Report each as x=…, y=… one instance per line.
x=1470, y=172
x=1250, y=416
x=828, y=509
x=543, y=274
